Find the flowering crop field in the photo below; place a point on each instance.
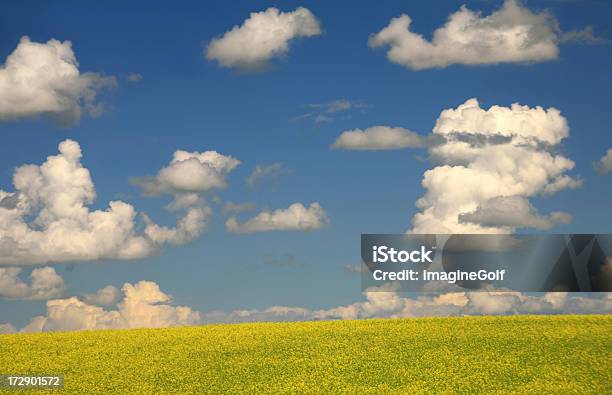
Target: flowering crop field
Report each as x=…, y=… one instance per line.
x=525, y=354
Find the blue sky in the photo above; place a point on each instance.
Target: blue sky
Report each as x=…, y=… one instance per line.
x=186, y=102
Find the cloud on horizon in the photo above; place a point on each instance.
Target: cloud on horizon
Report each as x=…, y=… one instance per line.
x=391, y=304
x=144, y=305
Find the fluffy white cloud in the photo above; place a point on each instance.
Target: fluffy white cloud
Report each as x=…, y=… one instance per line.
x=509, y=35
x=189, y=172
x=266, y=171
x=513, y=212
x=497, y=157
x=295, y=217
x=44, y=79
x=143, y=305
x=106, y=296
x=378, y=138
x=186, y=177
x=263, y=36
x=47, y=218
x=45, y=283
x=604, y=165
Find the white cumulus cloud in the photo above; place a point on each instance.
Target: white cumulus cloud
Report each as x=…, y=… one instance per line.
x=47, y=218
x=604, y=165
x=262, y=36
x=512, y=34
x=45, y=283
x=295, y=217
x=44, y=79
x=143, y=305
x=189, y=172
x=187, y=177
x=489, y=162
x=378, y=138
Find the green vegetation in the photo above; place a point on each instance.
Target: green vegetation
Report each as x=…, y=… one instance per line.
x=526, y=354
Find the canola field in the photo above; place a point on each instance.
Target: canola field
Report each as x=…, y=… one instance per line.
x=522, y=354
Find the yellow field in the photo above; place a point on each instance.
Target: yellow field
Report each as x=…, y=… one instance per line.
x=529, y=354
